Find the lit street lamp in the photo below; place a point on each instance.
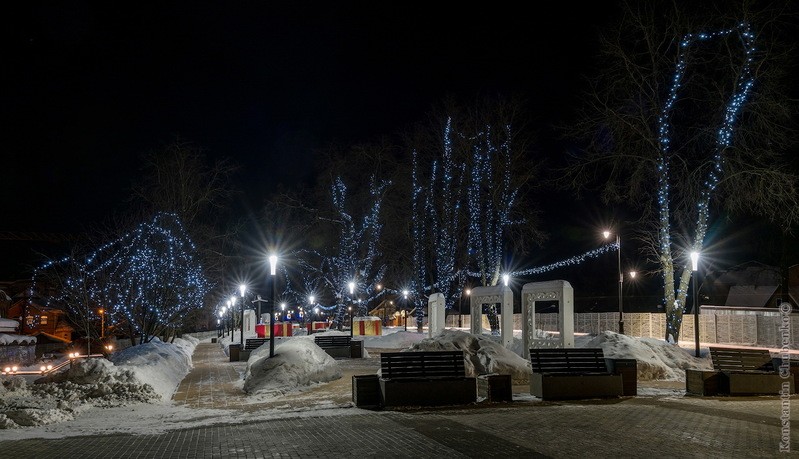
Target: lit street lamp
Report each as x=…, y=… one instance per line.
x=468, y=292
x=405, y=309
x=695, y=269
x=272, y=276
x=102, y=323
x=621, y=280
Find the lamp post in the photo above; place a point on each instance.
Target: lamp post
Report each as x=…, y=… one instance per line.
x=272, y=277
x=468, y=293
x=695, y=269
x=311, y=300
x=351, y=330
x=229, y=324
x=621, y=280
x=405, y=309
x=102, y=323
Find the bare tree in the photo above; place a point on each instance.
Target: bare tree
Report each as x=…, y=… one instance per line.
x=179, y=179
x=688, y=117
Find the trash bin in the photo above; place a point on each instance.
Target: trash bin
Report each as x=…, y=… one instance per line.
x=366, y=391
x=356, y=349
x=234, y=349
x=628, y=369
x=495, y=388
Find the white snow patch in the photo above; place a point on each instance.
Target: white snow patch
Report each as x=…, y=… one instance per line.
x=656, y=358
x=297, y=363
x=483, y=354
x=147, y=373
x=161, y=365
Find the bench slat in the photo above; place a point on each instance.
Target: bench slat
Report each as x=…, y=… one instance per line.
x=421, y=365
x=568, y=361
x=735, y=359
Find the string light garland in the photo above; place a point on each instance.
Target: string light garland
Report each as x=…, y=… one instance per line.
x=355, y=259
x=150, y=277
x=743, y=85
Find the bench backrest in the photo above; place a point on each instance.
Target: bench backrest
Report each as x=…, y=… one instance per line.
x=254, y=343
x=736, y=359
x=332, y=341
x=426, y=364
x=568, y=360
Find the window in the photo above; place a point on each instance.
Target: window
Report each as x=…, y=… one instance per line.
x=43, y=320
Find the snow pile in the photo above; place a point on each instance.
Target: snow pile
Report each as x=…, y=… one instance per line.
x=297, y=363
x=144, y=374
x=483, y=354
x=396, y=340
x=161, y=365
x=657, y=359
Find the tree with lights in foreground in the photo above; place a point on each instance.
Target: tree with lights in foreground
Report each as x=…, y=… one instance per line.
x=147, y=280
x=685, y=128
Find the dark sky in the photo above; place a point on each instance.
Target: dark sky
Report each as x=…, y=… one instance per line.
x=88, y=87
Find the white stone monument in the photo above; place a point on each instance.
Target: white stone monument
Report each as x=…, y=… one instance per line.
x=436, y=315
x=498, y=294
x=557, y=290
x=249, y=322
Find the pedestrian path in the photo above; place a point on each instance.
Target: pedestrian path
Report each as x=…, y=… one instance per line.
x=214, y=382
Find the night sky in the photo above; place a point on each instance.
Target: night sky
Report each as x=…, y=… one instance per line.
x=89, y=87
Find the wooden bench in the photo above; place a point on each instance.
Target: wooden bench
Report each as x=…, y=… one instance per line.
x=251, y=344
x=429, y=378
x=572, y=373
x=737, y=371
x=339, y=346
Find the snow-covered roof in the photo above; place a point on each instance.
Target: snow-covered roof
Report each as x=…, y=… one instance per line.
x=6, y=339
x=52, y=337
x=750, y=295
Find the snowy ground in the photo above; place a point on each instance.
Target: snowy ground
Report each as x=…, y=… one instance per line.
x=132, y=392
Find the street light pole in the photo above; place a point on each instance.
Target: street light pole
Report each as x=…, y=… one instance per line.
x=695, y=269
x=621, y=280
x=405, y=309
x=272, y=276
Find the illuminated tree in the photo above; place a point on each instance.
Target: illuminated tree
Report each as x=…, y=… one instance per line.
x=689, y=120
x=147, y=279
x=355, y=258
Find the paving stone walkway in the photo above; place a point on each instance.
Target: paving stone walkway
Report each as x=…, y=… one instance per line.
x=645, y=426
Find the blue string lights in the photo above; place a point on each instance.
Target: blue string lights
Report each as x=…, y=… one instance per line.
x=355, y=259
x=744, y=82
x=147, y=279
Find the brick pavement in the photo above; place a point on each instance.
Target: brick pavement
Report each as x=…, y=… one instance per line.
x=673, y=426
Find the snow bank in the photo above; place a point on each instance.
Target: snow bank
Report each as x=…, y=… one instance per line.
x=143, y=374
x=297, y=363
x=161, y=365
x=483, y=354
x=396, y=340
x=657, y=359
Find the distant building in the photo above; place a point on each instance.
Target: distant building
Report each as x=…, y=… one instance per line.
x=36, y=319
x=749, y=288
